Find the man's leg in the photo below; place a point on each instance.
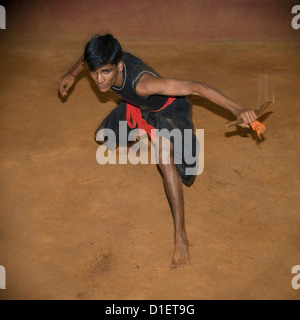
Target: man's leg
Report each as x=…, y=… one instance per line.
x=112, y=122
x=174, y=191
x=98, y=136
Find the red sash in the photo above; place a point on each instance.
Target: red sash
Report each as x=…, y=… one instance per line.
x=134, y=118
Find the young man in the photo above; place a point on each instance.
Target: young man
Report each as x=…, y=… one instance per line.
x=150, y=100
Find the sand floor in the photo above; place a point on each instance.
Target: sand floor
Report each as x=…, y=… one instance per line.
x=73, y=229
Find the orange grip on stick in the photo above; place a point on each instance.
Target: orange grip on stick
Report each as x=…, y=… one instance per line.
x=258, y=127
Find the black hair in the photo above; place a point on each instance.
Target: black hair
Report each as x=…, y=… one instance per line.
x=102, y=50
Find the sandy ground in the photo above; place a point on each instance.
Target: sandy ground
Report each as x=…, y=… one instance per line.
x=72, y=229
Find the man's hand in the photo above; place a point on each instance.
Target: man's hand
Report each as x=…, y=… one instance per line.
x=248, y=117
x=65, y=83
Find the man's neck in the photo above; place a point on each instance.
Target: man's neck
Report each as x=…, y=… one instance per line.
x=119, y=80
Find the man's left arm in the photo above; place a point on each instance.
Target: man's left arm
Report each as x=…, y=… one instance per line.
x=150, y=85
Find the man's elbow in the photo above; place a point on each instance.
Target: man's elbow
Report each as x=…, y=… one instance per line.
x=196, y=88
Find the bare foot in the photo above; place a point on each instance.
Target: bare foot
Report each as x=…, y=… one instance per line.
x=181, y=256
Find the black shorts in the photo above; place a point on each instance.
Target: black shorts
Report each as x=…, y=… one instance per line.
x=178, y=115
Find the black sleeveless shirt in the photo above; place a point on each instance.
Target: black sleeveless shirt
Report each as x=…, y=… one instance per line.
x=133, y=70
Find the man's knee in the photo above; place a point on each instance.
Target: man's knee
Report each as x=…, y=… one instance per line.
x=166, y=152
x=99, y=136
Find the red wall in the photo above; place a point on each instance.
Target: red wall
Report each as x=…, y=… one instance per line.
x=164, y=20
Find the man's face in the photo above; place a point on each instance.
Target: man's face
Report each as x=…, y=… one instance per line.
x=107, y=76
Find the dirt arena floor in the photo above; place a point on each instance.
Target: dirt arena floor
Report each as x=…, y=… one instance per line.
x=73, y=229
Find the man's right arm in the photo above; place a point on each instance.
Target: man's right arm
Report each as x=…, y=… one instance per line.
x=67, y=80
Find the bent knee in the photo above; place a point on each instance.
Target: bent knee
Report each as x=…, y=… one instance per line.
x=99, y=136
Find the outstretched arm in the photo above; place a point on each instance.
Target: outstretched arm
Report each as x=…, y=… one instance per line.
x=67, y=80
x=150, y=85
